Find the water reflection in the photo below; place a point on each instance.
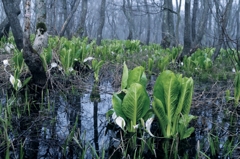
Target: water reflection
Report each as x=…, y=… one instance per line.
x=74, y=116
x=51, y=132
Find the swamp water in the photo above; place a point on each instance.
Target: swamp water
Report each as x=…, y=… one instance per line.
x=74, y=126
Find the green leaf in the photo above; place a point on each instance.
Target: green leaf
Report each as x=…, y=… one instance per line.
x=237, y=87
x=135, y=76
x=143, y=80
x=159, y=111
x=135, y=103
x=187, y=133
x=117, y=106
x=185, y=98
x=166, y=89
x=26, y=81
x=124, y=76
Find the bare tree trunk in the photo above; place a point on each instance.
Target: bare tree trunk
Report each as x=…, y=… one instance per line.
x=168, y=35
x=127, y=10
x=41, y=11
x=210, y=42
x=187, y=31
x=31, y=58
x=76, y=4
x=223, y=21
x=12, y=10
x=171, y=24
x=201, y=29
x=178, y=20
x=81, y=30
x=238, y=28
x=194, y=18
x=148, y=22
x=4, y=27
x=101, y=24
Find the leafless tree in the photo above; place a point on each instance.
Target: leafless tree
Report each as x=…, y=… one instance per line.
x=101, y=23
x=127, y=10
x=168, y=35
x=222, y=21
x=76, y=4
x=194, y=18
x=187, y=31
x=41, y=11
x=148, y=22
x=81, y=30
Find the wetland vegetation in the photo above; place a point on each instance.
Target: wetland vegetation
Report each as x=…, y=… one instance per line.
x=121, y=98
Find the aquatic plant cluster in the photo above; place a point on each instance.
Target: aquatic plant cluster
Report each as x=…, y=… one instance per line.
x=150, y=114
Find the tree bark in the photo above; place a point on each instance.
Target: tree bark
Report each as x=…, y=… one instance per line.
x=81, y=31
x=187, y=31
x=12, y=11
x=4, y=27
x=127, y=10
x=238, y=28
x=148, y=22
x=31, y=58
x=76, y=4
x=178, y=20
x=41, y=11
x=101, y=24
x=168, y=35
x=194, y=18
x=201, y=29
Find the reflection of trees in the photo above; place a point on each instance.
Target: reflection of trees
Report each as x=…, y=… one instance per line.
x=30, y=126
x=74, y=116
x=95, y=98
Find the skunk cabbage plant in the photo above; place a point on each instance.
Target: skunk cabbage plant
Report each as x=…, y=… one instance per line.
x=171, y=104
x=132, y=102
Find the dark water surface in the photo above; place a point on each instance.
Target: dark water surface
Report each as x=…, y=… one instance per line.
x=74, y=125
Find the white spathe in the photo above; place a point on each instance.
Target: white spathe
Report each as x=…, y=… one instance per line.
x=19, y=84
x=13, y=80
x=70, y=69
x=5, y=63
x=53, y=64
x=9, y=47
x=148, y=126
x=233, y=70
x=88, y=59
x=135, y=126
x=120, y=122
x=114, y=116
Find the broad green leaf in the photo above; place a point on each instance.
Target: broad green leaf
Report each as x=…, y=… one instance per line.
x=135, y=75
x=186, y=95
x=143, y=80
x=117, y=106
x=159, y=111
x=124, y=76
x=136, y=103
x=185, y=98
x=166, y=89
